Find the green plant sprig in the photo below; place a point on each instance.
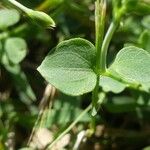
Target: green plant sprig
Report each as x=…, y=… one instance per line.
x=103, y=45
x=100, y=13
x=85, y=65
x=38, y=17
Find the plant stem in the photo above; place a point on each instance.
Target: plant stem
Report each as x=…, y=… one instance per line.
x=113, y=26
x=16, y=30
x=102, y=49
x=18, y=5
x=49, y=146
x=117, y=14
x=100, y=10
x=129, y=84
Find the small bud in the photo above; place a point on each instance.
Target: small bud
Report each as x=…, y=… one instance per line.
x=41, y=18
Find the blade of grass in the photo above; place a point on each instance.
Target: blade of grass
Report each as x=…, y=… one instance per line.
x=49, y=146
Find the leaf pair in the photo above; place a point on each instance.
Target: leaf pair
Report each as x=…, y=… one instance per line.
x=71, y=68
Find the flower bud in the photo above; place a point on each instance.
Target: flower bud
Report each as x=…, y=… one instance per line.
x=41, y=18
x=38, y=17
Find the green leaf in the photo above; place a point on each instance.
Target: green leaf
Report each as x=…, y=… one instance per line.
x=146, y=148
x=16, y=49
x=111, y=85
x=130, y=4
x=143, y=7
x=132, y=65
x=8, y=17
x=144, y=40
x=146, y=22
x=131, y=26
x=70, y=68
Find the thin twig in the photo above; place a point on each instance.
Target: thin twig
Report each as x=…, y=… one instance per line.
x=47, y=96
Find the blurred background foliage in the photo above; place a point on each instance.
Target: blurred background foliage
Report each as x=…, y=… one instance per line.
x=123, y=120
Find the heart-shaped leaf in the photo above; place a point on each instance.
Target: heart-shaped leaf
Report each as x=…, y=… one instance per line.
x=8, y=17
x=132, y=64
x=70, y=67
x=16, y=49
